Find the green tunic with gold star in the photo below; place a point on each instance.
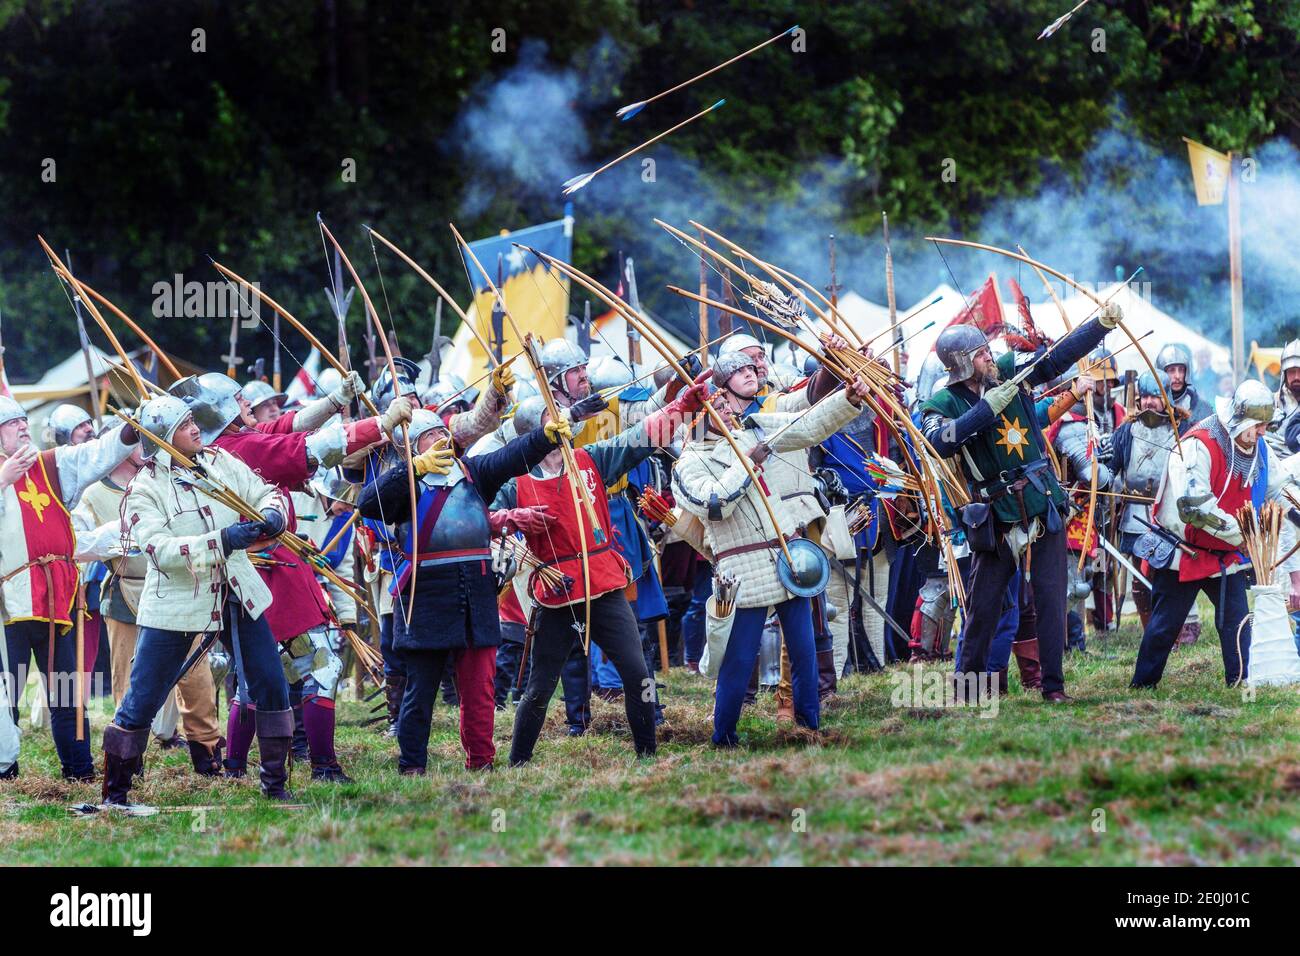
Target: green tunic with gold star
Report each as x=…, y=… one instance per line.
x=1005, y=446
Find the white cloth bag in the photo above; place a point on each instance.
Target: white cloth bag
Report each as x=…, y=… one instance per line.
x=717, y=632
x=1273, y=656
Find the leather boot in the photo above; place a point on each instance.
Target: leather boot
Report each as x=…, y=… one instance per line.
x=394, y=690
x=300, y=748
x=328, y=769
x=1002, y=682
x=123, y=753
x=11, y=773
x=207, y=759
x=826, y=682
x=1190, y=633
x=751, y=692
x=1026, y=652
x=274, y=736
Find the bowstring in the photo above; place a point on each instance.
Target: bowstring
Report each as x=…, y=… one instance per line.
x=375, y=459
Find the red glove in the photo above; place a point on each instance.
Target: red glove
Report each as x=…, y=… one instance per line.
x=691, y=400
x=533, y=520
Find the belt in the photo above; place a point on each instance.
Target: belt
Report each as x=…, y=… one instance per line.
x=431, y=559
x=1015, y=481
x=747, y=549
x=44, y=562
x=591, y=552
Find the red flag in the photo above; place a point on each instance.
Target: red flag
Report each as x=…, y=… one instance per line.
x=1031, y=339
x=984, y=310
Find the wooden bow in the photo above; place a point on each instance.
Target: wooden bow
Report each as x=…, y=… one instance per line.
x=281, y=311
x=63, y=272
x=1169, y=406
x=577, y=490
x=392, y=372
x=674, y=359
x=446, y=297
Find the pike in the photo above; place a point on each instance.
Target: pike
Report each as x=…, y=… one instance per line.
x=499, y=313
x=434, y=355
x=571, y=186
x=625, y=113
x=233, y=359
x=634, y=298
x=889, y=290
x=339, y=305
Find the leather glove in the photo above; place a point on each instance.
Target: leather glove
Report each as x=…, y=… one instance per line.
x=692, y=366
x=1111, y=315
x=758, y=454
x=238, y=536
x=129, y=435
x=557, y=429
x=398, y=414
x=503, y=379
x=593, y=404
x=533, y=520
x=1105, y=449
x=348, y=389
x=691, y=400
x=272, y=522
x=1000, y=396
x=437, y=460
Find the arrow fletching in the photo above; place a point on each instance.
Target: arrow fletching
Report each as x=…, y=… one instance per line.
x=625, y=113
x=571, y=186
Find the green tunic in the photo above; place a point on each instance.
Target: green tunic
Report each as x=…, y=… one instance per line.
x=1007, y=445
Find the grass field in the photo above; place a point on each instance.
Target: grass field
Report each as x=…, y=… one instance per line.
x=1193, y=773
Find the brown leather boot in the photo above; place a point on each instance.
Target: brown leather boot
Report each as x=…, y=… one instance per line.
x=826, y=682
x=1026, y=652
x=274, y=736
x=1189, y=634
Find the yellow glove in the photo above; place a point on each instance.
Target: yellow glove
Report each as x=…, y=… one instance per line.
x=557, y=429
x=502, y=379
x=437, y=460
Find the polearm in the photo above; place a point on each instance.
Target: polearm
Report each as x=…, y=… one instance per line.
x=275, y=362
x=634, y=299
x=889, y=292
x=499, y=312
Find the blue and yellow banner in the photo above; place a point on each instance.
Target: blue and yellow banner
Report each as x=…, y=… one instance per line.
x=538, y=300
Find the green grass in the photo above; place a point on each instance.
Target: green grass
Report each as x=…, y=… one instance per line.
x=1193, y=773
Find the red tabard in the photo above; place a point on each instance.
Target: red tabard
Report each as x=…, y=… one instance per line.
x=48, y=531
x=558, y=544
x=1209, y=548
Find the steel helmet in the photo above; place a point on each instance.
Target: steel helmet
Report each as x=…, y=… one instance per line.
x=423, y=420
x=1102, y=366
x=608, y=372
x=381, y=393
x=1146, y=384
x=738, y=342
x=443, y=394
x=1291, y=355
x=212, y=397
x=528, y=414
x=62, y=422
x=1175, y=353
x=161, y=416
x=10, y=410
x=559, y=356
x=257, y=392
x=728, y=364
x=956, y=348
x=1251, y=404
x=328, y=483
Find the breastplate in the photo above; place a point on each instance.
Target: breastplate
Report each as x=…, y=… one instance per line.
x=462, y=523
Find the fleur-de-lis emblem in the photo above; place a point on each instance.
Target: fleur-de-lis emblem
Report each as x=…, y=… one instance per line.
x=35, y=498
